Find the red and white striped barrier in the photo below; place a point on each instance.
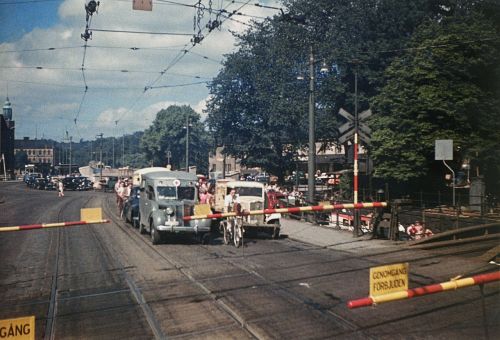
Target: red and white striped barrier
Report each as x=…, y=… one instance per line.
x=425, y=290
x=314, y=208
x=50, y=225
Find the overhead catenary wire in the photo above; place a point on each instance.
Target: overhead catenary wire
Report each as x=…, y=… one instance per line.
x=138, y=32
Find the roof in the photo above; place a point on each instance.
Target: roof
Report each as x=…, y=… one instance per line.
x=241, y=184
x=34, y=144
x=165, y=174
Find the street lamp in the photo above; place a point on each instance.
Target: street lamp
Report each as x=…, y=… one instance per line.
x=311, y=157
x=187, y=143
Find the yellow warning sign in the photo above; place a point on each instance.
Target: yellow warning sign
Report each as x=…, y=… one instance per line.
x=18, y=329
x=202, y=209
x=90, y=214
x=388, y=279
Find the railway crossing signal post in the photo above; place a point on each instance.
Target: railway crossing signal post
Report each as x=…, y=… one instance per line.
x=356, y=129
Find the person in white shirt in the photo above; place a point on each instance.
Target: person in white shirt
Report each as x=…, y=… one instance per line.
x=230, y=200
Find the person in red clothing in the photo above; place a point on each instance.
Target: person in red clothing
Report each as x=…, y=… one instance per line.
x=418, y=231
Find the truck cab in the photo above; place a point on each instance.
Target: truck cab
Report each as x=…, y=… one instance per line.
x=252, y=196
x=166, y=197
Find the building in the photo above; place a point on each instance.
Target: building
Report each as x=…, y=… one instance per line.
x=41, y=152
x=7, y=130
x=219, y=164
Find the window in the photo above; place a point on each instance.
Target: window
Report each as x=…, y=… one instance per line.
x=166, y=192
x=151, y=193
x=185, y=193
x=245, y=191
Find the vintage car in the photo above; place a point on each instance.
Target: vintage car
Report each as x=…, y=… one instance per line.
x=131, y=207
x=251, y=196
x=166, y=197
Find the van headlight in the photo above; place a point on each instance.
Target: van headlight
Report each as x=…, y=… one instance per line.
x=169, y=211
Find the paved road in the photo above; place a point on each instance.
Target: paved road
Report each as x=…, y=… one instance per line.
x=108, y=281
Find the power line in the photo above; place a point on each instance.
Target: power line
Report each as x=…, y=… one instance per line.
x=26, y=2
x=41, y=49
x=139, y=32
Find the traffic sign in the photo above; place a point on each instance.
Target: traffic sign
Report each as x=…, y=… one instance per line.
x=347, y=129
x=18, y=328
x=388, y=279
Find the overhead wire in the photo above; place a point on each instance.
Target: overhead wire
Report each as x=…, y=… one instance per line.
x=173, y=62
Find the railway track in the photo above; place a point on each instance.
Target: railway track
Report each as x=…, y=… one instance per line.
x=49, y=332
x=105, y=276
x=277, y=287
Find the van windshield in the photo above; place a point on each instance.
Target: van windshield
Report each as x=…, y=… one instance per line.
x=186, y=193
x=166, y=192
x=183, y=193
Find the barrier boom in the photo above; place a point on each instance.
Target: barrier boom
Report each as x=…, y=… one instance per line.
x=314, y=208
x=50, y=225
x=425, y=290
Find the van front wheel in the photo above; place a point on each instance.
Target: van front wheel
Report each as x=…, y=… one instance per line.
x=155, y=235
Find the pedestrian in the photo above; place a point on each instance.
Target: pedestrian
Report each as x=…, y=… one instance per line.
x=61, y=188
x=121, y=195
x=230, y=200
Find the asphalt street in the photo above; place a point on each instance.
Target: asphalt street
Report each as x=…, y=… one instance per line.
x=107, y=281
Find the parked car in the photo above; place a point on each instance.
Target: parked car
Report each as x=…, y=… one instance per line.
x=262, y=178
x=131, y=207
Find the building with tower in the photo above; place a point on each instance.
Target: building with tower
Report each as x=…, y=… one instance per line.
x=7, y=129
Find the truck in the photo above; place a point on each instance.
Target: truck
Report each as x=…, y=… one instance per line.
x=165, y=198
x=251, y=196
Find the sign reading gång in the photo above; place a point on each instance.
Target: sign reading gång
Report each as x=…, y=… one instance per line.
x=388, y=279
x=18, y=329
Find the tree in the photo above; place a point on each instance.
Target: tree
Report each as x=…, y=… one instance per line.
x=168, y=133
x=443, y=87
x=258, y=109
x=21, y=159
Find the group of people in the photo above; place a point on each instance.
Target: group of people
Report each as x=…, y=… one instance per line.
x=123, y=187
x=206, y=193
x=417, y=231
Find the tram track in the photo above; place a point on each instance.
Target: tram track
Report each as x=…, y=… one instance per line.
x=275, y=286
x=140, y=241
x=49, y=332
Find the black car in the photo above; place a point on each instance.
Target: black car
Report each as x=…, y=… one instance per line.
x=131, y=207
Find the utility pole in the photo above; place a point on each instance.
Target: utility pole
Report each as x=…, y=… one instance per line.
x=113, y=152
x=311, y=159
x=100, y=157
x=70, y=159
x=187, y=144
x=123, y=150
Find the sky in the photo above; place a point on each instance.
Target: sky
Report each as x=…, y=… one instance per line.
x=127, y=77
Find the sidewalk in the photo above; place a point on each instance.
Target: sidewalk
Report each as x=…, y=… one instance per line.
x=328, y=237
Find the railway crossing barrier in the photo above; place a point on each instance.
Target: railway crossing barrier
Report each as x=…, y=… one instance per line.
x=425, y=290
x=87, y=216
x=314, y=208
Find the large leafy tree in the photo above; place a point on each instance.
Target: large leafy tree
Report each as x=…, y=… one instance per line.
x=168, y=133
x=259, y=110
x=445, y=86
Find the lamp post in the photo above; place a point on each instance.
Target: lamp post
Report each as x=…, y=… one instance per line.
x=311, y=159
x=311, y=156
x=100, y=157
x=187, y=143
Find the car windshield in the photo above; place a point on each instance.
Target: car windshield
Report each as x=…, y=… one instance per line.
x=247, y=191
x=186, y=193
x=166, y=192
